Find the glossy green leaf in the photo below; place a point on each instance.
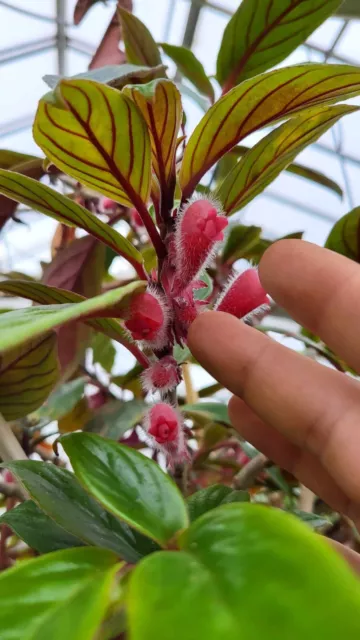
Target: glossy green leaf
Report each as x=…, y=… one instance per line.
x=114, y=75
x=57, y=492
x=160, y=104
x=103, y=351
x=265, y=161
x=39, y=531
x=63, y=399
x=96, y=135
x=212, y=497
x=28, y=373
x=259, y=102
x=17, y=327
x=211, y=411
x=344, y=237
x=140, y=46
x=43, y=294
x=190, y=67
x=245, y=571
x=114, y=418
x=61, y=595
x=262, y=33
x=42, y=198
x=128, y=484
x=240, y=240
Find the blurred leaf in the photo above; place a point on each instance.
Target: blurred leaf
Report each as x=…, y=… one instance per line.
x=140, y=46
x=265, y=161
x=349, y=9
x=262, y=33
x=239, y=242
x=9, y=158
x=28, y=166
x=211, y=411
x=130, y=380
x=28, y=373
x=81, y=9
x=104, y=351
x=18, y=327
x=312, y=519
x=206, y=291
x=190, y=67
x=108, y=51
x=344, y=236
x=114, y=418
x=212, y=497
x=39, y=196
x=267, y=101
x=193, y=95
x=181, y=354
x=43, y=294
x=150, y=258
x=128, y=484
x=105, y=145
x=60, y=595
x=39, y=531
x=57, y=492
x=61, y=401
x=213, y=434
x=160, y=104
x=77, y=418
x=277, y=476
x=245, y=571
x=210, y=390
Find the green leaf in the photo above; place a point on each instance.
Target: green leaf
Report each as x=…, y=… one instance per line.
x=193, y=95
x=57, y=492
x=28, y=373
x=103, y=351
x=190, y=67
x=265, y=161
x=61, y=595
x=349, y=9
x=262, y=33
x=160, y=104
x=111, y=153
x=114, y=75
x=9, y=158
x=212, y=497
x=39, y=531
x=42, y=198
x=211, y=411
x=245, y=571
x=63, y=399
x=240, y=240
x=43, y=294
x=128, y=484
x=259, y=102
x=140, y=46
x=344, y=236
x=17, y=327
x=312, y=519
x=113, y=419
x=204, y=292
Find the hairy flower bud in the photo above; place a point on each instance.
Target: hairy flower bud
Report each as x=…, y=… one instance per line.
x=165, y=427
x=147, y=319
x=199, y=228
x=135, y=219
x=243, y=295
x=162, y=375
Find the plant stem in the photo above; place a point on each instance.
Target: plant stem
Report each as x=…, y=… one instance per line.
x=247, y=475
x=306, y=500
x=191, y=394
x=10, y=448
x=152, y=230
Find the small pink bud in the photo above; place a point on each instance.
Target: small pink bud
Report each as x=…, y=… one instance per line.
x=162, y=375
x=147, y=319
x=164, y=423
x=136, y=219
x=108, y=204
x=199, y=228
x=243, y=295
x=97, y=399
x=8, y=476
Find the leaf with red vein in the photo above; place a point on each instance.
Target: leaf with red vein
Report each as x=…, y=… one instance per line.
x=42, y=198
x=160, y=104
x=262, y=33
x=265, y=161
x=21, y=163
x=258, y=102
x=98, y=137
x=140, y=46
x=28, y=373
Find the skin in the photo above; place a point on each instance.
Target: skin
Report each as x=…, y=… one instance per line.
x=302, y=415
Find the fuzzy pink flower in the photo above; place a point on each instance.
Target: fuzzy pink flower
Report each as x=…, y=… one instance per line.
x=147, y=319
x=136, y=219
x=165, y=427
x=162, y=375
x=108, y=204
x=199, y=228
x=243, y=295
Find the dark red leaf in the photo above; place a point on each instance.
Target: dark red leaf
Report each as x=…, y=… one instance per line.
x=108, y=51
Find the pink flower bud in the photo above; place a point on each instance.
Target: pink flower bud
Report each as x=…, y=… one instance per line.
x=199, y=228
x=147, y=319
x=165, y=426
x=108, y=204
x=243, y=295
x=136, y=219
x=162, y=375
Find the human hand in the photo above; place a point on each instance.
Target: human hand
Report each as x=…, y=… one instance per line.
x=300, y=414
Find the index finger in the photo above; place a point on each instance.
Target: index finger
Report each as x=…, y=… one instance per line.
x=320, y=289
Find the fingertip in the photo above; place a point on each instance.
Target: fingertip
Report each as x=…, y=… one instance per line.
x=204, y=328
x=276, y=257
